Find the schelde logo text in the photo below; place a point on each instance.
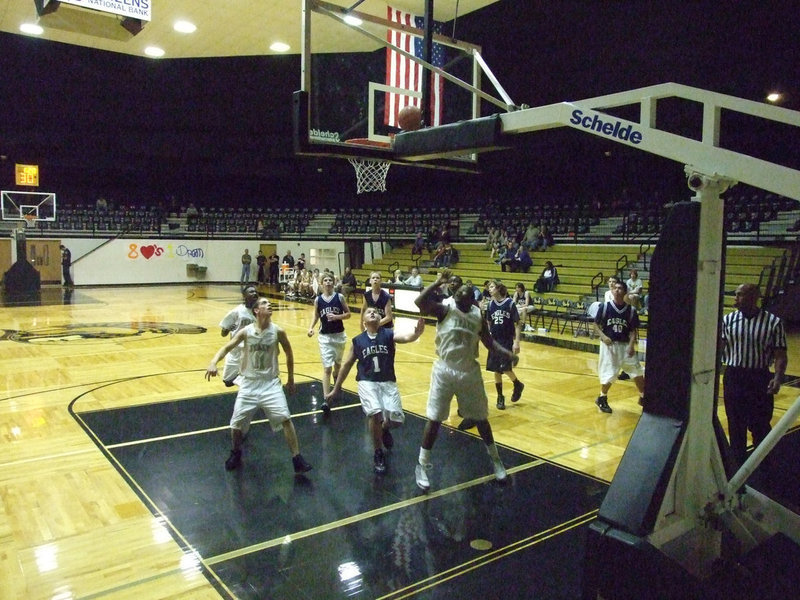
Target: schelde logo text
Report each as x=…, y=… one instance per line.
x=610, y=127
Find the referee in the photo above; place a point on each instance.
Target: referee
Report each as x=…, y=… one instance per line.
x=752, y=339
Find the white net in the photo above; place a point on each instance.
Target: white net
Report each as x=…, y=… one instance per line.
x=370, y=174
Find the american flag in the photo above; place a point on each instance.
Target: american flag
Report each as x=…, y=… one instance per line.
x=406, y=74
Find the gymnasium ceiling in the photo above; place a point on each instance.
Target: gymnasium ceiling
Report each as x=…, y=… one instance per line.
x=224, y=27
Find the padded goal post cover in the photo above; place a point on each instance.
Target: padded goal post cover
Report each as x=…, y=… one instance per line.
x=453, y=139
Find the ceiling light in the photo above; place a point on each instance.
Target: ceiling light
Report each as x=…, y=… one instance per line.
x=774, y=97
x=279, y=47
x=351, y=20
x=31, y=28
x=154, y=51
x=184, y=27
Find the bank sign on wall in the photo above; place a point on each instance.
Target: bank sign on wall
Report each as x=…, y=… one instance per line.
x=135, y=9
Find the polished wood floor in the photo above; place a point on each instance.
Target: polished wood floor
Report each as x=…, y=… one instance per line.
x=71, y=526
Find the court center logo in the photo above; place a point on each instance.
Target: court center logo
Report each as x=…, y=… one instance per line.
x=81, y=332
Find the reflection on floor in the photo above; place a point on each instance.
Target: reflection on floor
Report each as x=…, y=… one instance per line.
x=48, y=296
x=341, y=531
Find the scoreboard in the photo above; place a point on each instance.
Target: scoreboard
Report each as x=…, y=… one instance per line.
x=27, y=175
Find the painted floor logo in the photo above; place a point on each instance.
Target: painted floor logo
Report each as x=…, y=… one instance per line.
x=97, y=331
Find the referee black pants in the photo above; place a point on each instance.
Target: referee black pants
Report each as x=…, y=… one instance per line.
x=748, y=406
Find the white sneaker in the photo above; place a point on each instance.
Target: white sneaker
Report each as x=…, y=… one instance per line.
x=499, y=470
x=421, y=473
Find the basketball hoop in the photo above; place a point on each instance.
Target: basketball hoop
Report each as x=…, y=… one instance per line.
x=370, y=172
x=30, y=221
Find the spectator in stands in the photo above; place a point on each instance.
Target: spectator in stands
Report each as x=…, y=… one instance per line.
x=397, y=278
x=477, y=295
x=522, y=260
x=507, y=257
x=548, y=280
x=443, y=256
x=415, y=279
x=635, y=290
x=419, y=245
x=191, y=211
x=530, y=237
x=288, y=259
x=491, y=238
x=301, y=261
x=349, y=282
x=499, y=243
x=522, y=298
x=246, y=261
x=101, y=204
x=544, y=240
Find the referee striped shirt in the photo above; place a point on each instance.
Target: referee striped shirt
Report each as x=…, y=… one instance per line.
x=750, y=342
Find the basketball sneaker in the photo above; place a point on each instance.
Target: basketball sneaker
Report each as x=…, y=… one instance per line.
x=602, y=404
x=380, y=462
x=300, y=464
x=326, y=409
x=421, y=473
x=517, y=394
x=501, y=402
x=499, y=469
x=234, y=460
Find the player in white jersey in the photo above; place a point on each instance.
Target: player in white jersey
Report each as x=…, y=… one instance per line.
x=330, y=309
x=236, y=319
x=457, y=371
x=260, y=384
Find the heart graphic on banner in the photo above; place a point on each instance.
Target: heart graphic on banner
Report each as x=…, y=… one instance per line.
x=148, y=251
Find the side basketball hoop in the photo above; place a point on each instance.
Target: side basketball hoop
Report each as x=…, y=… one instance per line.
x=370, y=172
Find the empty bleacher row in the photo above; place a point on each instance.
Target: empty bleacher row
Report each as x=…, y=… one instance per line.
x=250, y=220
x=403, y=221
x=90, y=218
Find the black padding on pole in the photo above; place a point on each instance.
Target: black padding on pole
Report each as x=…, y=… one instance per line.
x=672, y=285
x=634, y=498
x=449, y=140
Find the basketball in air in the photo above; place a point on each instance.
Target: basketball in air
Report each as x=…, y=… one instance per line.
x=409, y=118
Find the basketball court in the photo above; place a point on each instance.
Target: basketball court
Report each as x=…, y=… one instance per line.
x=117, y=487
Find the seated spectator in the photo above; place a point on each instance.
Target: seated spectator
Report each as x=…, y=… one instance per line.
x=548, y=279
x=507, y=257
x=522, y=298
x=445, y=256
x=397, y=278
x=419, y=246
x=635, y=294
x=544, y=240
x=349, y=283
x=522, y=260
x=415, y=279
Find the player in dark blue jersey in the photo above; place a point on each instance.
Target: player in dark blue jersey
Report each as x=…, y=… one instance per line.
x=616, y=324
x=378, y=298
x=330, y=309
x=505, y=327
x=373, y=351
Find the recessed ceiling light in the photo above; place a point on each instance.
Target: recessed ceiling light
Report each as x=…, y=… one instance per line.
x=154, y=51
x=184, y=27
x=351, y=20
x=279, y=47
x=774, y=97
x=31, y=28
